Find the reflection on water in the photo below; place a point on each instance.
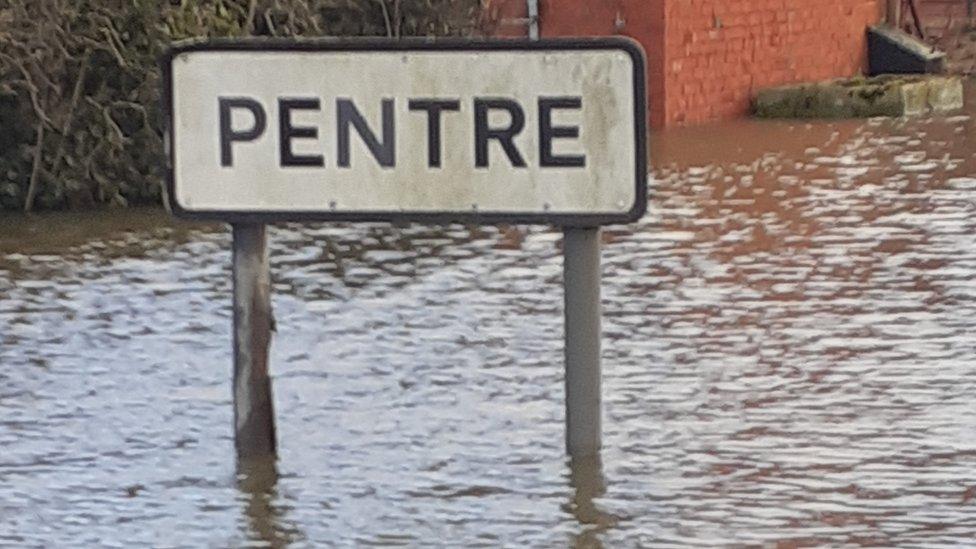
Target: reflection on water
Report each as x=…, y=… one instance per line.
x=257, y=480
x=586, y=478
x=788, y=362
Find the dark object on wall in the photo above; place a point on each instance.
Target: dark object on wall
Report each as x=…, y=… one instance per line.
x=892, y=51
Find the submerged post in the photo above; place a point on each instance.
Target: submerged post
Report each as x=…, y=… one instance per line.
x=254, y=428
x=581, y=276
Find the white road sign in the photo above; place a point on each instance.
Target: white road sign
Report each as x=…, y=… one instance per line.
x=535, y=132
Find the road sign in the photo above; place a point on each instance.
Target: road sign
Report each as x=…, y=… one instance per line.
x=506, y=131
x=550, y=131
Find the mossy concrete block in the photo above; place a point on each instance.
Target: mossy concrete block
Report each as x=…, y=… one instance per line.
x=824, y=103
x=945, y=94
x=915, y=98
x=867, y=98
x=783, y=102
x=862, y=98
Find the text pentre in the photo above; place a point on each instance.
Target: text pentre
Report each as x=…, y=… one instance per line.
x=381, y=143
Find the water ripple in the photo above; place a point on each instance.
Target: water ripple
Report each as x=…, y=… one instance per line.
x=788, y=362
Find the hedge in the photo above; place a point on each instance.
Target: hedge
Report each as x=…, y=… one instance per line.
x=80, y=121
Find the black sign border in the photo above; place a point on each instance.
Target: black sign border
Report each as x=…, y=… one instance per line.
x=631, y=47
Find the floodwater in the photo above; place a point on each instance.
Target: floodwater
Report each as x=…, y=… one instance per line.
x=789, y=354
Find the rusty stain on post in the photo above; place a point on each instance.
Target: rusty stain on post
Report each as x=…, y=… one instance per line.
x=254, y=428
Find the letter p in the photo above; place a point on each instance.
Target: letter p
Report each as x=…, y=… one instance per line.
x=228, y=135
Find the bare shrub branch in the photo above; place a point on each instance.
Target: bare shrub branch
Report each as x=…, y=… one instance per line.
x=79, y=82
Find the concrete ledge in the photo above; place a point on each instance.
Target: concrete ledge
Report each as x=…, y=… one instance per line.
x=892, y=51
x=888, y=95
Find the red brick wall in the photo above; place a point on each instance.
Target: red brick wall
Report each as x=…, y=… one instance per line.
x=955, y=9
x=706, y=58
x=938, y=15
x=719, y=52
x=502, y=18
x=642, y=20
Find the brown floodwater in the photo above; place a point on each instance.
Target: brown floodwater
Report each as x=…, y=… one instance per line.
x=790, y=360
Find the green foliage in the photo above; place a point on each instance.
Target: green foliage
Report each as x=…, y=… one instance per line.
x=79, y=81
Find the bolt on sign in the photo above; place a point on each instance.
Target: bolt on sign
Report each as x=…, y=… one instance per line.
x=535, y=132
x=550, y=131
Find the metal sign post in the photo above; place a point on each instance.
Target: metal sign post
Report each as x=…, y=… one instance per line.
x=581, y=278
x=581, y=288
x=254, y=430
x=538, y=132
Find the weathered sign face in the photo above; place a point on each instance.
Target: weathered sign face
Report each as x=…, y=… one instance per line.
x=535, y=132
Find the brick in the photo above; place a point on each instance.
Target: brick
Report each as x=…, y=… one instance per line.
x=736, y=46
x=706, y=58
